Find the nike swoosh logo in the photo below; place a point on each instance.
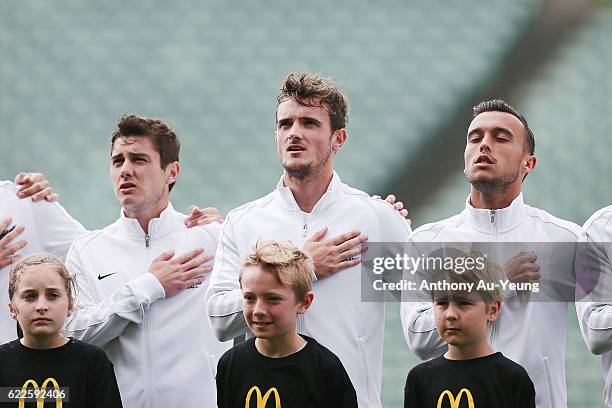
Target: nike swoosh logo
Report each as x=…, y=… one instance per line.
x=100, y=277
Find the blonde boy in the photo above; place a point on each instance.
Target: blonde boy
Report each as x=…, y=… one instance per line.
x=277, y=363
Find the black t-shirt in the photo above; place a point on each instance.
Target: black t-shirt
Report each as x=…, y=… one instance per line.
x=83, y=369
x=490, y=381
x=311, y=377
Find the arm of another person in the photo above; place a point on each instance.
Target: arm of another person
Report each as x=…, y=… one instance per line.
x=224, y=301
x=418, y=320
x=594, y=304
x=55, y=227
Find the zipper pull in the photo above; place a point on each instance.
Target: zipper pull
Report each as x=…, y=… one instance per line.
x=147, y=239
x=492, y=216
x=304, y=231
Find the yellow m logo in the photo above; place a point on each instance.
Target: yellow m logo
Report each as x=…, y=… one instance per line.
x=454, y=403
x=261, y=401
x=40, y=402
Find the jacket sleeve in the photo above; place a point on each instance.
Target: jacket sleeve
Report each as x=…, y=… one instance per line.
x=418, y=321
x=98, y=320
x=56, y=229
x=224, y=297
x=594, y=292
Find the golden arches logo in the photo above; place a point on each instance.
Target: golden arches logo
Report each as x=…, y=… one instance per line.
x=261, y=401
x=40, y=402
x=454, y=402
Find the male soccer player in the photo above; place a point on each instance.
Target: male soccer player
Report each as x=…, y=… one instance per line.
x=32, y=221
x=594, y=293
x=310, y=200
x=499, y=154
x=145, y=308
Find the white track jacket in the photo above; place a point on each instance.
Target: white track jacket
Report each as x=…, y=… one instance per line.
x=48, y=228
x=532, y=333
x=338, y=319
x=595, y=310
x=163, y=349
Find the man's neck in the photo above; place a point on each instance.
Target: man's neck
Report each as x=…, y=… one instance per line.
x=143, y=216
x=280, y=346
x=492, y=200
x=307, y=192
x=478, y=349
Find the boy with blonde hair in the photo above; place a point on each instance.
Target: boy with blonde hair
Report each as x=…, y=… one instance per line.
x=279, y=364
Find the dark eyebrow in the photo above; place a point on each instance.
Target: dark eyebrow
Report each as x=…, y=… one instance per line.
x=308, y=118
x=138, y=156
x=131, y=155
x=496, y=130
x=117, y=156
x=284, y=121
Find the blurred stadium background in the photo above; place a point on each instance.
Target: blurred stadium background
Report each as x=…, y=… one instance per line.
x=412, y=71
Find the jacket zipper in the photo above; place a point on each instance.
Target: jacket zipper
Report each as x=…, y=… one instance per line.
x=304, y=229
x=147, y=326
x=494, y=331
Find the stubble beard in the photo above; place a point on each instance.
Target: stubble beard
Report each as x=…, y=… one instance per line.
x=306, y=171
x=495, y=185
x=135, y=208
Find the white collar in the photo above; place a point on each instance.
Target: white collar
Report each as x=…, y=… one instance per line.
x=333, y=191
x=503, y=219
x=158, y=227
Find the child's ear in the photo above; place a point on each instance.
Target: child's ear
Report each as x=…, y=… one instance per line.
x=305, y=303
x=494, y=309
x=12, y=311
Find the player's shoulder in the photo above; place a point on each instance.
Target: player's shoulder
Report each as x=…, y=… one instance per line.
x=600, y=218
x=83, y=242
x=370, y=205
x=247, y=208
x=561, y=228
x=432, y=230
x=6, y=185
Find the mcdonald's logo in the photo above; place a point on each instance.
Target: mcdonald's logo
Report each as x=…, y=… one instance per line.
x=454, y=402
x=261, y=401
x=40, y=402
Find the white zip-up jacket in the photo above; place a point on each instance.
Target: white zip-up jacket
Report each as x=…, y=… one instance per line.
x=338, y=319
x=532, y=333
x=595, y=309
x=163, y=349
x=48, y=228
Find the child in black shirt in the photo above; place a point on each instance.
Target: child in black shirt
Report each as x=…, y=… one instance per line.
x=278, y=367
x=70, y=373
x=470, y=374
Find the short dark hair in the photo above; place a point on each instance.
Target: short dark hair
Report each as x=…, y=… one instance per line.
x=307, y=88
x=498, y=105
x=164, y=139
